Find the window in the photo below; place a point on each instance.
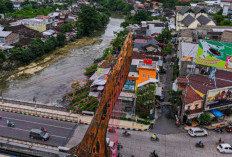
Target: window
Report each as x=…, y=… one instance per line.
x=196, y=107
x=188, y=108
x=148, y=75
x=144, y=75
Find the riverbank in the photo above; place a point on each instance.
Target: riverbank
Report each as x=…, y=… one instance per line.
x=47, y=60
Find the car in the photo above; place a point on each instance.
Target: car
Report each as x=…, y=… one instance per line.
x=39, y=134
x=229, y=128
x=196, y=131
x=224, y=148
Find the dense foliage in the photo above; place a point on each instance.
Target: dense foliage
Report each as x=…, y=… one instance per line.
x=205, y=118
x=175, y=69
x=6, y=6
x=90, y=19
x=165, y=36
x=145, y=101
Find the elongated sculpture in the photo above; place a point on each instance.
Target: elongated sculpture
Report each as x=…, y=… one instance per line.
x=94, y=142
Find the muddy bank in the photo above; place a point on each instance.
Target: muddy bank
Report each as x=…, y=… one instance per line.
x=49, y=59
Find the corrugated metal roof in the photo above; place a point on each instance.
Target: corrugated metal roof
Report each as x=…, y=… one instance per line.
x=5, y=33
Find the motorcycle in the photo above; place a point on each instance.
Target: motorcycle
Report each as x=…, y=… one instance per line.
x=199, y=145
x=154, y=139
x=126, y=134
x=154, y=154
x=10, y=125
x=219, y=130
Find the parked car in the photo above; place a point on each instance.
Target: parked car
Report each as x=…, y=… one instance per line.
x=224, y=148
x=39, y=134
x=195, y=131
x=229, y=128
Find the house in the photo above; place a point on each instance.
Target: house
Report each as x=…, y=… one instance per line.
x=139, y=7
x=192, y=17
x=140, y=43
x=8, y=37
x=225, y=3
x=99, y=81
x=227, y=36
x=187, y=53
x=197, y=93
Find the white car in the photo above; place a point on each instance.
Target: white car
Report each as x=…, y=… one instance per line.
x=195, y=131
x=224, y=148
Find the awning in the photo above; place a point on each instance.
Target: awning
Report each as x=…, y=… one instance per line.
x=217, y=113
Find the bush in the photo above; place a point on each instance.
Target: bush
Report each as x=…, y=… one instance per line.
x=205, y=118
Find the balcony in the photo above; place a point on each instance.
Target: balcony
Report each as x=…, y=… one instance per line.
x=188, y=112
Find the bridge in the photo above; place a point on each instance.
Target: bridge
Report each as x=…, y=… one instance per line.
x=34, y=115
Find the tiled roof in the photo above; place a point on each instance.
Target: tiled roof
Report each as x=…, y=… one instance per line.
x=196, y=9
x=184, y=10
x=203, y=20
x=140, y=41
x=182, y=80
x=188, y=20
x=202, y=83
x=190, y=95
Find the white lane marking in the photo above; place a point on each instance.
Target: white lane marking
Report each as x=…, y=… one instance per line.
x=29, y=131
x=38, y=123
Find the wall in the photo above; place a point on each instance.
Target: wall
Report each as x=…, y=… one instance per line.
x=194, y=25
x=192, y=105
x=211, y=23
x=40, y=28
x=142, y=71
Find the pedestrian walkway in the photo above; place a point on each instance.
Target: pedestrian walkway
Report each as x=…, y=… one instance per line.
x=66, y=116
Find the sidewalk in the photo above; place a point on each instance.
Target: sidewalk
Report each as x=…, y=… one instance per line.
x=66, y=116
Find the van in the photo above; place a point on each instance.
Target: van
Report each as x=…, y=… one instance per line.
x=39, y=134
x=195, y=131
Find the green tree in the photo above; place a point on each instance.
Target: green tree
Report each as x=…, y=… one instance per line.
x=205, y=118
x=167, y=50
x=37, y=47
x=218, y=18
x=175, y=98
x=49, y=45
x=67, y=27
x=3, y=55
x=225, y=23
x=165, y=36
x=175, y=68
x=61, y=39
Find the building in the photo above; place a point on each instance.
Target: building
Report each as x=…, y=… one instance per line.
x=8, y=38
x=191, y=18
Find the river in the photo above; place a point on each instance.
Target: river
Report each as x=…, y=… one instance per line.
x=50, y=84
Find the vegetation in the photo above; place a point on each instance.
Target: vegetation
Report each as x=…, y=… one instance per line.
x=205, y=118
x=175, y=68
x=167, y=50
x=175, y=100
x=165, y=36
x=145, y=101
x=141, y=15
x=221, y=20
x=90, y=19
x=67, y=27
x=6, y=6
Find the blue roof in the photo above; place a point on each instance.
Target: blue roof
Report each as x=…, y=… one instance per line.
x=217, y=113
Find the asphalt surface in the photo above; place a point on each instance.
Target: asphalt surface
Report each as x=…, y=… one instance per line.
x=59, y=131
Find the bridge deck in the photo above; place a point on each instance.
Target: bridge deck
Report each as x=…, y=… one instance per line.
x=59, y=131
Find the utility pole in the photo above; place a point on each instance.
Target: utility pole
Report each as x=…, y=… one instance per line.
x=1, y=96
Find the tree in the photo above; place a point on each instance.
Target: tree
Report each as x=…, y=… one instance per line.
x=175, y=68
x=67, y=27
x=165, y=36
x=218, y=18
x=36, y=47
x=205, y=118
x=49, y=45
x=175, y=98
x=3, y=55
x=61, y=39
x=167, y=49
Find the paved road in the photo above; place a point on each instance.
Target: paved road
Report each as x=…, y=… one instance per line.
x=172, y=145
x=60, y=131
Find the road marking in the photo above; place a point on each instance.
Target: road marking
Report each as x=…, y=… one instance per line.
x=39, y=123
x=29, y=131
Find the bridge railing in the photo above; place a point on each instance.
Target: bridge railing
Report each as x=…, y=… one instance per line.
x=64, y=116
x=32, y=104
x=29, y=143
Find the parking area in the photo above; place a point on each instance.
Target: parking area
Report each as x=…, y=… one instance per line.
x=60, y=132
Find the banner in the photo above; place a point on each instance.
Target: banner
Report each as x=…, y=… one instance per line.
x=215, y=54
x=218, y=98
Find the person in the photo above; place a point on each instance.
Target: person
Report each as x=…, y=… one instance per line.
x=220, y=141
x=200, y=143
x=43, y=129
x=7, y=121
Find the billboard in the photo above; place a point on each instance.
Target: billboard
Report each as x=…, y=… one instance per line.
x=218, y=97
x=215, y=54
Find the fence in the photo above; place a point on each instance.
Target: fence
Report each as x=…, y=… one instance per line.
x=29, y=144
x=19, y=102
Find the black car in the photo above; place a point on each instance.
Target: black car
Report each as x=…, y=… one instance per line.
x=39, y=134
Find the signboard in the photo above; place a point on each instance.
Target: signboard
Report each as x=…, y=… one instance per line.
x=218, y=97
x=215, y=54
